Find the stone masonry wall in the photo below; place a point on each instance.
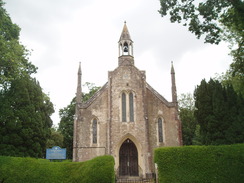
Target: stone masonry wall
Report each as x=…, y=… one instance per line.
x=129, y=79
x=166, y=111
x=99, y=110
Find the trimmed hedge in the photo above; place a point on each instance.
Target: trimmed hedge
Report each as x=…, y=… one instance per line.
x=201, y=164
x=29, y=170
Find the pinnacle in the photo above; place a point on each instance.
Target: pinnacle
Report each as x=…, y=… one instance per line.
x=172, y=68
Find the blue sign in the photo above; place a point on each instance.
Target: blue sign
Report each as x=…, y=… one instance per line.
x=56, y=153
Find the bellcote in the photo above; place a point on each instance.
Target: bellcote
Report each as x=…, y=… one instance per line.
x=125, y=48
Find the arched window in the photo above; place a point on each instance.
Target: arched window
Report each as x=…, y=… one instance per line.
x=123, y=107
x=94, y=131
x=131, y=102
x=160, y=130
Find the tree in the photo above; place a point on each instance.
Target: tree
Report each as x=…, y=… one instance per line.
x=216, y=20
x=25, y=119
x=55, y=139
x=186, y=109
x=219, y=113
x=67, y=118
x=92, y=89
x=13, y=56
x=233, y=20
x=227, y=79
x=24, y=109
x=66, y=127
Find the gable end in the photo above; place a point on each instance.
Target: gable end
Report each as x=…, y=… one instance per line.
x=160, y=97
x=94, y=97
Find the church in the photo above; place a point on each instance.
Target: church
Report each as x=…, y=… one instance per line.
x=126, y=118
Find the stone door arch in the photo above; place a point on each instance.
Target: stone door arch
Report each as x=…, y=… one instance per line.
x=128, y=159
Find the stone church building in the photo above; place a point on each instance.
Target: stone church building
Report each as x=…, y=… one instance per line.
x=126, y=118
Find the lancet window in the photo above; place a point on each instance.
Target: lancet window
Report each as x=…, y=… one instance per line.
x=160, y=130
x=123, y=107
x=94, y=131
x=131, y=100
x=127, y=106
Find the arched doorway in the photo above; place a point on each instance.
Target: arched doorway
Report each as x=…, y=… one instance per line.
x=128, y=159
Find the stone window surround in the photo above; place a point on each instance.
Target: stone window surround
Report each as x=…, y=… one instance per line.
x=92, y=132
x=129, y=106
x=163, y=130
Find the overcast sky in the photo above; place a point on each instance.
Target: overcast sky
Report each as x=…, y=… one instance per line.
x=62, y=33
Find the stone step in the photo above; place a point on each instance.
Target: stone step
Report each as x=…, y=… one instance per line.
x=135, y=181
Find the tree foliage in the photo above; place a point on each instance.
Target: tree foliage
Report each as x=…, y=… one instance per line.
x=233, y=21
x=92, y=89
x=67, y=118
x=25, y=119
x=186, y=109
x=228, y=79
x=217, y=20
x=219, y=112
x=66, y=127
x=55, y=139
x=13, y=56
x=202, y=17
x=24, y=109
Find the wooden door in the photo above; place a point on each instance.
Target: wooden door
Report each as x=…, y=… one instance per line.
x=128, y=159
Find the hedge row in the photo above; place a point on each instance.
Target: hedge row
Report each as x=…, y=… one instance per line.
x=29, y=170
x=201, y=164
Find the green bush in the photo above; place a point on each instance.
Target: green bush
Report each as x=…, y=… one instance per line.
x=201, y=164
x=29, y=170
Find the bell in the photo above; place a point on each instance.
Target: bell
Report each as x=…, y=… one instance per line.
x=126, y=49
